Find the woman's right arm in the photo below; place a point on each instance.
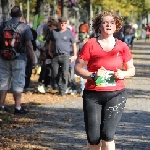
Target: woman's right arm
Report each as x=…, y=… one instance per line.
x=80, y=69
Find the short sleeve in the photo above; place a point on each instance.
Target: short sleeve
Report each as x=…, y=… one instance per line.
x=85, y=52
x=28, y=34
x=127, y=56
x=72, y=39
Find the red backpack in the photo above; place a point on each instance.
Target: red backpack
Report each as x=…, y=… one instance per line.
x=12, y=46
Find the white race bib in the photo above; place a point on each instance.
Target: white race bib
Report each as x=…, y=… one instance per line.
x=107, y=80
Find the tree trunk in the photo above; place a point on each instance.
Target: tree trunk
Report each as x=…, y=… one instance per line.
x=88, y=10
x=4, y=4
x=37, y=7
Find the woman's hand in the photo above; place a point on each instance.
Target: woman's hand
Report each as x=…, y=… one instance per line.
x=72, y=58
x=120, y=74
x=101, y=72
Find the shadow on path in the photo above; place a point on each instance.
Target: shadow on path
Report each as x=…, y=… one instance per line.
x=62, y=128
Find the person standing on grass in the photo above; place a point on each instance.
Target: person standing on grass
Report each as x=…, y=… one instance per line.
x=105, y=95
x=12, y=72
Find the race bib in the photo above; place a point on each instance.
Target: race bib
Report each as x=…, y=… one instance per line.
x=48, y=61
x=107, y=80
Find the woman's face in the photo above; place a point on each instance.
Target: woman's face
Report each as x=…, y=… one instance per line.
x=108, y=25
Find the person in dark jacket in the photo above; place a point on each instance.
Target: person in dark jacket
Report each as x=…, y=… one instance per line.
x=127, y=31
x=29, y=65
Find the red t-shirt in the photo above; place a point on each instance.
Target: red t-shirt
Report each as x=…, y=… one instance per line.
x=112, y=60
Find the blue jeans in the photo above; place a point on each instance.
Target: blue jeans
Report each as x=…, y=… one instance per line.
x=128, y=39
x=61, y=77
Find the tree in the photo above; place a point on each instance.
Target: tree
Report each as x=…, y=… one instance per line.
x=4, y=4
x=24, y=7
x=127, y=8
x=34, y=6
x=115, y=5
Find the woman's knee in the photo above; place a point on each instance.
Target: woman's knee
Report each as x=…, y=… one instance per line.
x=94, y=140
x=107, y=136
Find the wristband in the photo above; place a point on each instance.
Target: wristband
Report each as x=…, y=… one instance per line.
x=93, y=76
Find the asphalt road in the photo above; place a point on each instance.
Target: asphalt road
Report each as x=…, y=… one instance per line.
x=60, y=126
x=65, y=130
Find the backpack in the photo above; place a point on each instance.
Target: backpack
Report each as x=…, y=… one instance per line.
x=11, y=42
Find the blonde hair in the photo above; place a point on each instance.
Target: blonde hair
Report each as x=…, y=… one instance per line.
x=99, y=18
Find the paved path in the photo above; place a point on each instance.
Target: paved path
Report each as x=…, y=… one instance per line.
x=61, y=126
x=66, y=127
x=133, y=132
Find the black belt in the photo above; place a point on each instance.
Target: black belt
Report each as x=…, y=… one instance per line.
x=57, y=54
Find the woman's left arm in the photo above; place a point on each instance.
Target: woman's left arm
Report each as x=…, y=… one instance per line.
x=129, y=70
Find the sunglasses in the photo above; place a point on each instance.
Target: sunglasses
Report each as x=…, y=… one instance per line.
x=50, y=25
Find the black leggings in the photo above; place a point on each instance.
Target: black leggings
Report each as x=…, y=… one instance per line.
x=102, y=113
